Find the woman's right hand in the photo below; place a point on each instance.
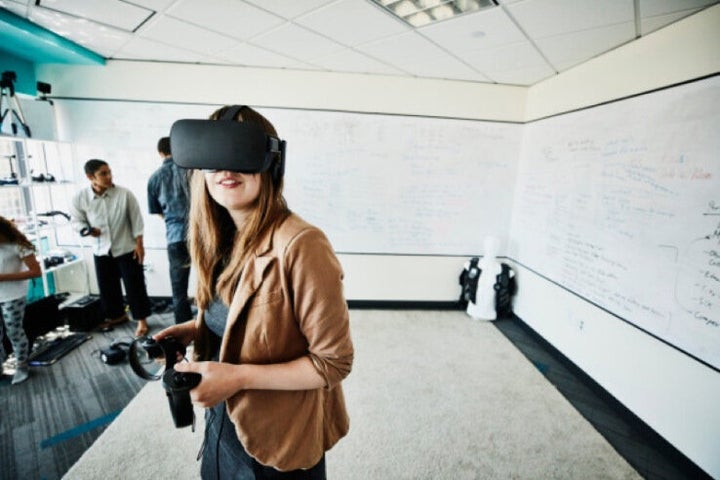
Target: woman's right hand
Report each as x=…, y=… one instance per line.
x=182, y=332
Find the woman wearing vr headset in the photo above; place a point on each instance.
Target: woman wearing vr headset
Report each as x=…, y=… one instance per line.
x=272, y=338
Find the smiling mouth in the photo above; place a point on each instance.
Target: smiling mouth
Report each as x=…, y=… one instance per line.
x=228, y=182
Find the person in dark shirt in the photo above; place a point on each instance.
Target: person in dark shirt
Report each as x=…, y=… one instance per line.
x=169, y=197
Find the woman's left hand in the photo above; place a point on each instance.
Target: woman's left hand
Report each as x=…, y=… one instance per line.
x=219, y=381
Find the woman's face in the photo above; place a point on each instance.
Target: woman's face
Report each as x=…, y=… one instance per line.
x=237, y=192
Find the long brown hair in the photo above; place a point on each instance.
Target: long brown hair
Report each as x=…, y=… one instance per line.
x=9, y=232
x=218, y=249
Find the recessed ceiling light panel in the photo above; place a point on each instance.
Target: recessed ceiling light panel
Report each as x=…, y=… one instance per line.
x=418, y=13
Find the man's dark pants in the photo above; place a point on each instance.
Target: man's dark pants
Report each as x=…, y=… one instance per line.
x=109, y=271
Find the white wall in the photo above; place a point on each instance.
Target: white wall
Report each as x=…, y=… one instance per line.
x=674, y=394
x=220, y=85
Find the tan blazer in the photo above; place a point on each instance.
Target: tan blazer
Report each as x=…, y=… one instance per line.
x=290, y=303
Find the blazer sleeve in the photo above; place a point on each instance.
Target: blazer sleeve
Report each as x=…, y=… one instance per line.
x=315, y=277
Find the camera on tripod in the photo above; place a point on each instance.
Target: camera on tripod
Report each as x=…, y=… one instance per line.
x=7, y=89
x=154, y=360
x=8, y=79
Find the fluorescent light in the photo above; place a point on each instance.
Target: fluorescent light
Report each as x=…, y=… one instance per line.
x=429, y=3
x=442, y=12
x=404, y=9
x=423, y=12
x=419, y=19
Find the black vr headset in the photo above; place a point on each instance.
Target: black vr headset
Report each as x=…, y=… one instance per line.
x=226, y=144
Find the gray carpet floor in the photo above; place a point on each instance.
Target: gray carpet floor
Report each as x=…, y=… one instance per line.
x=432, y=395
x=49, y=421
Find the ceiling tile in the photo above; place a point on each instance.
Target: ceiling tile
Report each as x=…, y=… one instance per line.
x=400, y=50
x=229, y=17
x=443, y=67
x=506, y=58
x=484, y=29
x=567, y=50
x=144, y=49
x=155, y=5
x=417, y=56
x=287, y=8
x=650, y=24
x=544, y=18
x=351, y=61
x=501, y=44
x=651, y=8
x=352, y=22
x=251, y=55
x=18, y=8
x=183, y=35
x=101, y=39
x=297, y=42
x=116, y=13
x=522, y=76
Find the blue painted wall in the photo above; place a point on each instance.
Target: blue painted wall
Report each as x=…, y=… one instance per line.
x=24, y=70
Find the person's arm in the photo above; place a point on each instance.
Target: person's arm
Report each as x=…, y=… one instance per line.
x=222, y=380
x=139, y=252
x=136, y=226
x=323, y=320
x=185, y=332
x=78, y=215
x=33, y=270
x=153, y=186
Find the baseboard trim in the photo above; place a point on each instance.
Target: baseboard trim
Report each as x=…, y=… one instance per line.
x=402, y=305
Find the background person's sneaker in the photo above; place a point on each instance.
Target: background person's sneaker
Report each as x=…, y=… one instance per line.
x=21, y=374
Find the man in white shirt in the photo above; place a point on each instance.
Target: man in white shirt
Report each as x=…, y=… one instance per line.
x=111, y=215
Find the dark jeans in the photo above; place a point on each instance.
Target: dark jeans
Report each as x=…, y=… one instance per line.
x=109, y=271
x=225, y=458
x=179, y=259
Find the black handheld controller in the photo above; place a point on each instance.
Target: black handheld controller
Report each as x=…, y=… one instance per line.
x=146, y=358
x=177, y=387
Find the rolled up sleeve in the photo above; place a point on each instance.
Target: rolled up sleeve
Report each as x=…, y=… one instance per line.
x=319, y=304
x=135, y=215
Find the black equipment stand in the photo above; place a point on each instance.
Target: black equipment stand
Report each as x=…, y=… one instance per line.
x=13, y=109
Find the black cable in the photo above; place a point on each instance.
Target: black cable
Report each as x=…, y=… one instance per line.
x=205, y=436
x=217, y=444
x=52, y=213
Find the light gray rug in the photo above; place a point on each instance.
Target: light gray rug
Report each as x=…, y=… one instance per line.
x=433, y=395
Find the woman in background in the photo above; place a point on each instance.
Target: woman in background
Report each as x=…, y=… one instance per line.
x=272, y=337
x=17, y=265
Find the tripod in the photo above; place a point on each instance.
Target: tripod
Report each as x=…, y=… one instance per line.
x=7, y=94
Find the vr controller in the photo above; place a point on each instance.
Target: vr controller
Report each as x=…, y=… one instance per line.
x=177, y=387
x=154, y=360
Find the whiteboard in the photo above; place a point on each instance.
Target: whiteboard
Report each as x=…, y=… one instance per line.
x=620, y=204
x=374, y=183
x=400, y=185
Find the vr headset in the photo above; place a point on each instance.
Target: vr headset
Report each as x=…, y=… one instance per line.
x=226, y=144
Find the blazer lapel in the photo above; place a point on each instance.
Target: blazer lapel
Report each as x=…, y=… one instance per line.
x=250, y=281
